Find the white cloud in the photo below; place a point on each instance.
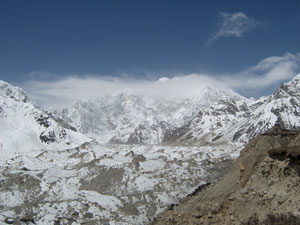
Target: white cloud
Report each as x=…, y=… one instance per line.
x=269, y=71
x=233, y=25
x=66, y=91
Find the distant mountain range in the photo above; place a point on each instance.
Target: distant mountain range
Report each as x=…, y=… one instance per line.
x=212, y=116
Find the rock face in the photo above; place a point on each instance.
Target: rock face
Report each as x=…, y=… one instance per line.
x=262, y=185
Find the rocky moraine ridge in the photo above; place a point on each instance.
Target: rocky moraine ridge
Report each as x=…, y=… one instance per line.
x=262, y=187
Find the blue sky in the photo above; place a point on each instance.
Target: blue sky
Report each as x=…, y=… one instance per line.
x=53, y=40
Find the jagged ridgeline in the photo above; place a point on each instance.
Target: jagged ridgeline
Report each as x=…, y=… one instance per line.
x=212, y=116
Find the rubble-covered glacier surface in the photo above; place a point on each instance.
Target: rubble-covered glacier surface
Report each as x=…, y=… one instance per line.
x=98, y=184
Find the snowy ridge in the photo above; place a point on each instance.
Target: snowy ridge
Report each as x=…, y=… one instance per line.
x=207, y=97
x=128, y=117
x=212, y=116
x=239, y=121
x=8, y=91
x=282, y=107
x=211, y=125
x=25, y=127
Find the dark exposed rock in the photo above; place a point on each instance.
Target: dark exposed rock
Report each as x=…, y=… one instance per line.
x=43, y=120
x=28, y=218
x=24, y=169
x=57, y=222
x=48, y=137
x=88, y=215
x=9, y=220
x=76, y=214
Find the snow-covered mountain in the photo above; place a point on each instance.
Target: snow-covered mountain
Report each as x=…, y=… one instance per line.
x=51, y=174
x=129, y=117
x=239, y=121
x=25, y=127
x=207, y=97
x=282, y=107
x=211, y=124
x=115, y=117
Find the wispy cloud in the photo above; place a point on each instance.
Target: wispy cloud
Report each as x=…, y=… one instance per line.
x=269, y=71
x=233, y=25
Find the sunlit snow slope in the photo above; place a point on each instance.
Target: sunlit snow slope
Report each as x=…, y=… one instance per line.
x=25, y=127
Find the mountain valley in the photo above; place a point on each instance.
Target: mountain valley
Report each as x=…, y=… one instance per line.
x=125, y=158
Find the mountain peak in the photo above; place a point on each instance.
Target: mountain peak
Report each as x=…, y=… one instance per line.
x=288, y=89
x=295, y=82
x=25, y=127
x=16, y=93
x=211, y=91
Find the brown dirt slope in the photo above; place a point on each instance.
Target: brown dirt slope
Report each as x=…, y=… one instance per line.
x=263, y=181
